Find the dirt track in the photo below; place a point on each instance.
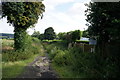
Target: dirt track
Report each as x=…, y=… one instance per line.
x=39, y=68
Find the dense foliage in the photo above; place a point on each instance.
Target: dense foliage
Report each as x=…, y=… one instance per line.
x=61, y=35
x=104, y=21
x=49, y=34
x=73, y=63
x=102, y=17
x=85, y=34
x=22, y=15
x=71, y=36
x=76, y=35
x=41, y=36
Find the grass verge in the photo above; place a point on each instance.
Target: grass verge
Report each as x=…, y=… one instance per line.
x=13, y=63
x=13, y=69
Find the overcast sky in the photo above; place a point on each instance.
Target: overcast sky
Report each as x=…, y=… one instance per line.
x=62, y=15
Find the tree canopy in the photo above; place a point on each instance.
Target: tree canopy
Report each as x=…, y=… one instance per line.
x=61, y=35
x=22, y=14
x=41, y=36
x=104, y=19
x=71, y=36
x=104, y=25
x=49, y=34
x=76, y=35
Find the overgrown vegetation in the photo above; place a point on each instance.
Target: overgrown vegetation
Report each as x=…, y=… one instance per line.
x=67, y=61
x=13, y=62
x=104, y=21
x=103, y=25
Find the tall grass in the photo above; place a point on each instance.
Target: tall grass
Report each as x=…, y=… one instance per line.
x=13, y=69
x=13, y=62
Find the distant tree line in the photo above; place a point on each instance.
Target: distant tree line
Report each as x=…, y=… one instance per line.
x=49, y=34
x=6, y=36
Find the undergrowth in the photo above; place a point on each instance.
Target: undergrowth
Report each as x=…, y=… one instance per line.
x=73, y=63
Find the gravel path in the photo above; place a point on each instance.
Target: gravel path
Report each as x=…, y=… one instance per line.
x=39, y=68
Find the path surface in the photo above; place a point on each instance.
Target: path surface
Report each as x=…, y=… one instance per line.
x=39, y=68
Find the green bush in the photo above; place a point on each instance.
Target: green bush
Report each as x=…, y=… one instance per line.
x=53, y=52
x=60, y=58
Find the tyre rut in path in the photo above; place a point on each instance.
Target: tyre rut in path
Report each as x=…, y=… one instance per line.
x=39, y=68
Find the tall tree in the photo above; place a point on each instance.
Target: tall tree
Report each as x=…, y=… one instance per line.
x=22, y=15
x=49, y=34
x=76, y=35
x=104, y=22
x=71, y=36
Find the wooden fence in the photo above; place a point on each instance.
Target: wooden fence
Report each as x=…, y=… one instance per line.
x=83, y=46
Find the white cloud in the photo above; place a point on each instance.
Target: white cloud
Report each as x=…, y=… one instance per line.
x=71, y=19
x=5, y=27
x=77, y=8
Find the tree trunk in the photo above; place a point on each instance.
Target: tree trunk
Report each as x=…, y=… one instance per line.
x=20, y=39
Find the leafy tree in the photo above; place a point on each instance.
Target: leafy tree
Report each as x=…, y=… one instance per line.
x=85, y=33
x=76, y=35
x=61, y=35
x=41, y=36
x=104, y=24
x=49, y=34
x=104, y=21
x=22, y=15
x=71, y=36
x=36, y=34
